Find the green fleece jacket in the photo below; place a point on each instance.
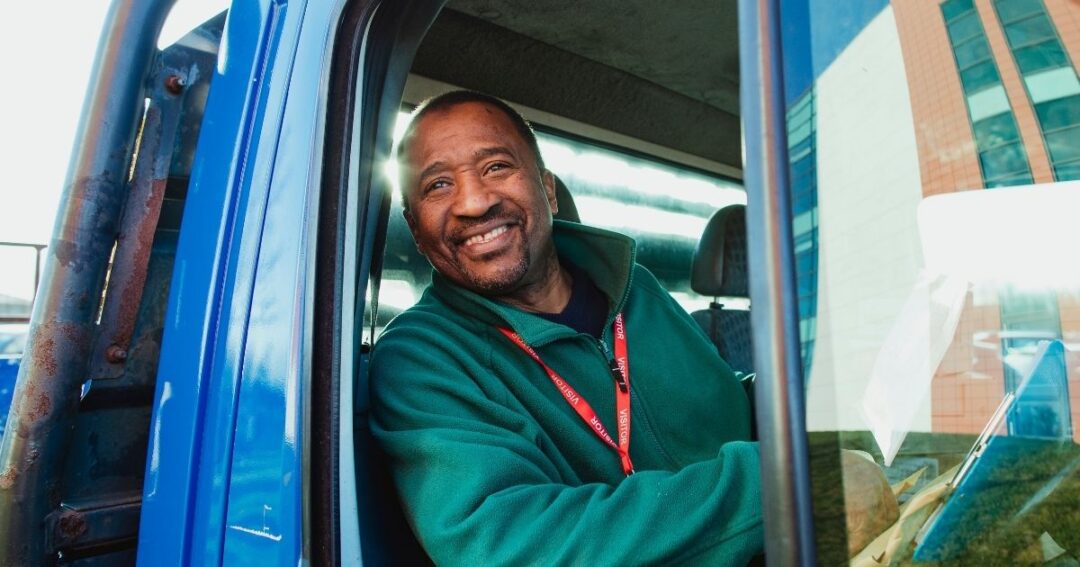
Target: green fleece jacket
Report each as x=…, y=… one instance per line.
x=495, y=468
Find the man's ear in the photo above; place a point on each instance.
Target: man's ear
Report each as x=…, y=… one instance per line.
x=548, y=179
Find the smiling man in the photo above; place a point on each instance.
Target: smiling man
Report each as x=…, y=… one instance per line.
x=480, y=206
x=546, y=401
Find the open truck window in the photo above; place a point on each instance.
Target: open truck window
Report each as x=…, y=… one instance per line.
x=655, y=160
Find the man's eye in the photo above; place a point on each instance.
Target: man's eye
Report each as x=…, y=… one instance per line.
x=436, y=185
x=497, y=166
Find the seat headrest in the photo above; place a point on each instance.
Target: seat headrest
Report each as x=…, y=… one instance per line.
x=567, y=208
x=719, y=267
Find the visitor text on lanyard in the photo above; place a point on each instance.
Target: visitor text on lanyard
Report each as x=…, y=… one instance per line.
x=620, y=371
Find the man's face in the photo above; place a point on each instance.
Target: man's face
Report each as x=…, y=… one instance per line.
x=479, y=206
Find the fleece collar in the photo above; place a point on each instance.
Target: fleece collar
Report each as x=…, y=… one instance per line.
x=607, y=257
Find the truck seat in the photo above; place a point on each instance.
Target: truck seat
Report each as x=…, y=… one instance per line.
x=567, y=209
x=720, y=270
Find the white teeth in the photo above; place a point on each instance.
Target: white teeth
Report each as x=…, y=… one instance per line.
x=487, y=236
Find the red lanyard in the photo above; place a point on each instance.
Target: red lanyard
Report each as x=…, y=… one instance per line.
x=620, y=371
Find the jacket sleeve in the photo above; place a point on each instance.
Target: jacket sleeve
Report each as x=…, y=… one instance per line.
x=479, y=491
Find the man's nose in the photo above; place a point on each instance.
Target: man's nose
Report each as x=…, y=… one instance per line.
x=474, y=198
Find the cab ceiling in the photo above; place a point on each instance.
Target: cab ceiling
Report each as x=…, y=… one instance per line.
x=663, y=72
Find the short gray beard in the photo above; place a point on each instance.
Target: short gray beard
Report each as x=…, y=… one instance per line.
x=504, y=281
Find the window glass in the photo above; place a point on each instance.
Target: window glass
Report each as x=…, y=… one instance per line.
x=12, y=341
x=1029, y=31
x=971, y=52
x=1040, y=56
x=20, y=264
x=979, y=76
x=1059, y=113
x=954, y=8
x=996, y=131
x=1051, y=84
x=1003, y=161
x=1067, y=171
x=1012, y=10
x=1018, y=178
x=800, y=148
x=802, y=169
x=663, y=207
x=964, y=28
x=1064, y=145
x=805, y=199
x=943, y=284
x=988, y=102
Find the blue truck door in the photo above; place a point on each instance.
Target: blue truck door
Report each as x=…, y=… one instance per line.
x=249, y=455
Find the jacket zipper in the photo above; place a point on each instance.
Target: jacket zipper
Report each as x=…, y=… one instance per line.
x=613, y=366
x=620, y=380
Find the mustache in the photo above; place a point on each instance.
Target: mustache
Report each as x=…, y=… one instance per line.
x=492, y=215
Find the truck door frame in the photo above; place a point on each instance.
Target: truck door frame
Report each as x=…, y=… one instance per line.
x=780, y=392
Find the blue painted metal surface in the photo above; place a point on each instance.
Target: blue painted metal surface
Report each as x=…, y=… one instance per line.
x=9, y=370
x=12, y=343
x=223, y=481
x=45, y=410
x=264, y=511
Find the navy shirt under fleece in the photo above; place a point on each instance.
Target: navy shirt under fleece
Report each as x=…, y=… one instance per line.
x=587, y=309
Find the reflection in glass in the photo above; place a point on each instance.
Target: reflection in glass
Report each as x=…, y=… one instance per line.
x=972, y=52
x=1012, y=10
x=978, y=76
x=1005, y=162
x=1001, y=166
x=996, y=131
x=934, y=294
x=964, y=28
x=1049, y=77
x=1029, y=31
x=1041, y=56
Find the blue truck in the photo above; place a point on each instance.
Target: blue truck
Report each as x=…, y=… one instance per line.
x=229, y=245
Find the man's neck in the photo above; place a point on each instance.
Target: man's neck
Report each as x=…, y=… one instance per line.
x=549, y=294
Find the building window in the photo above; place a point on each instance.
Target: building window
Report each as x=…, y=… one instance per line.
x=802, y=159
x=1050, y=80
x=1002, y=158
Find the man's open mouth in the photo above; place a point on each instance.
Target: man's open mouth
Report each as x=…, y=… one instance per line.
x=484, y=235
x=487, y=236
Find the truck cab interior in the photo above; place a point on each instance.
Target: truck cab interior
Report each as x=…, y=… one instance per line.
x=636, y=108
